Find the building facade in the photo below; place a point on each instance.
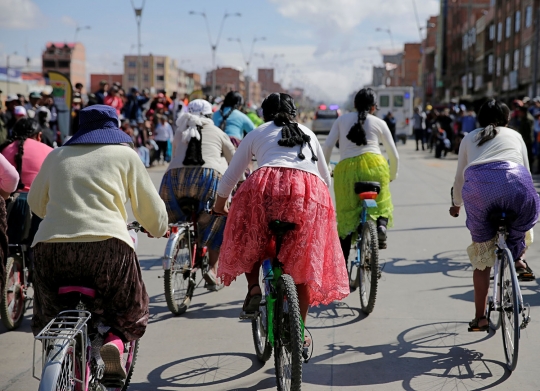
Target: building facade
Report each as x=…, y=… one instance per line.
x=157, y=72
x=66, y=58
x=228, y=79
x=97, y=78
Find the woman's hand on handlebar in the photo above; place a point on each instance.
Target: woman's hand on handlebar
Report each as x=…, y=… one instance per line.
x=454, y=211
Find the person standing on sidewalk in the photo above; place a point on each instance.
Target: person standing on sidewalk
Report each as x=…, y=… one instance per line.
x=419, y=126
x=163, y=135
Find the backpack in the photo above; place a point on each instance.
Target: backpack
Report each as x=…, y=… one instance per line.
x=223, y=124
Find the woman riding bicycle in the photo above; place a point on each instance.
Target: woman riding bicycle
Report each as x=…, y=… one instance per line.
x=81, y=193
x=493, y=174
x=359, y=135
x=195, y=170
x=231, y=120
x=291, y=184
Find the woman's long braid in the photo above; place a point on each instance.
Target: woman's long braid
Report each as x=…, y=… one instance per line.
x=357, y=134
x=19, y=156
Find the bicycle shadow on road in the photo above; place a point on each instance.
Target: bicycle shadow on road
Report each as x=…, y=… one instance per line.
x=453, y=263
x=202, y=371
x=335, y=314
x=428, y=357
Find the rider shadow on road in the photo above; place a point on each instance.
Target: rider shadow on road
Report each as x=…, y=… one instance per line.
x=428, y=357
x=454, y=263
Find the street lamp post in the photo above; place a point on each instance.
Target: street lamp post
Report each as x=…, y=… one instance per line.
x=247, y=60
x=138, y=17
x=79, y=29
x=7, y=70
x=389, y=33
x=214, y=45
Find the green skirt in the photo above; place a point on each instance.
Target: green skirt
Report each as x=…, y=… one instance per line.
x=366, y=167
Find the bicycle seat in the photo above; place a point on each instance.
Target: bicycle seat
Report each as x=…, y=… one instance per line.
x=91, y=293
x=280, y=228
x=502, y=218
x=367, y=187
x=188, y=205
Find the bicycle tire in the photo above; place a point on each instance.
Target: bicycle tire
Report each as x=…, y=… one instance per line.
x=510, y=310
x=135, y=346
x=57, y=372
x=263, y=348
x=12, y=312
x=368, y=272
x=352, y=267
x=288, y=336
x=177, y=279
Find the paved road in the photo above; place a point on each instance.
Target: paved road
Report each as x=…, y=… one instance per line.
x=416, y=338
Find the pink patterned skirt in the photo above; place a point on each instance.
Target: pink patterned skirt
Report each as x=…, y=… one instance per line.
x=311, y=253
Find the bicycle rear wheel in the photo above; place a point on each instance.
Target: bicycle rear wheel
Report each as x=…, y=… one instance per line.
x=177, y=278
x=259, y=328
x=58, y=371
x=494, y=317
x=352, y=266
x=368, y=271
x=12, y=303
x=510, y=310
x=288, y=336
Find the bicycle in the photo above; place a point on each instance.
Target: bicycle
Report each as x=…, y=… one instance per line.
x=278, y=324
x=364, y=272
x=70, y=351
x=15, y=295
x=506, y=301
x=183, y=258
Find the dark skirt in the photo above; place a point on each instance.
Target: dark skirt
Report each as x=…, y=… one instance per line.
x=110, y=267
x=500, y=186
x=3, y=243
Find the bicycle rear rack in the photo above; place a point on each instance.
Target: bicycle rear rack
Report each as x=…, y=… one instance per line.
x=62, y=332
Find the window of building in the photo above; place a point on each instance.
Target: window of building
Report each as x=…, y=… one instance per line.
x=528, y=16
x=527, y=56
x=517, y=22
x=490, y=64
x=145, y=64
x=492, y=32
x=160, y=78
x=499, y=32
x=132, y=64
x=499, y=66
x=516, y=59
x=160, y=65
x=507, y=61
x=49, y=63
x=131, y=77
x=398, y=100
x=465, y=42
x=384, y=101
x=145, y=77
x=63, y=64
x=508, y=27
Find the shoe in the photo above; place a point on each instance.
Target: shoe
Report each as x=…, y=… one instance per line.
x=473, y=325
x=526, y=273
x=252, y=302
x=381, y=233
x=210, y=278
x=213, y=287
x=111, y=353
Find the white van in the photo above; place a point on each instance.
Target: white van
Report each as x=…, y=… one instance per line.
x=399, y=101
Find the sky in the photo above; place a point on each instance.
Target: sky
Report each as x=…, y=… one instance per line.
x=325, y=46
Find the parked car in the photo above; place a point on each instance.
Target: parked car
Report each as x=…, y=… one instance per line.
x=324, y=119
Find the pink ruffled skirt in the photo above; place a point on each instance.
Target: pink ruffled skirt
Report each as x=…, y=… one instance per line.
x=311, y=254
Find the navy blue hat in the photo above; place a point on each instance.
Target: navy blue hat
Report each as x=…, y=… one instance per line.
x=98, y=124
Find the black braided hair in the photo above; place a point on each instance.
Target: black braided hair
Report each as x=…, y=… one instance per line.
x=24, y=128
x=280, y=109
x=194, y=151
x=363, y=102
x=491, y=115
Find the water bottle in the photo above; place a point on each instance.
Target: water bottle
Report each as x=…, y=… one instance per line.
x=268, y=274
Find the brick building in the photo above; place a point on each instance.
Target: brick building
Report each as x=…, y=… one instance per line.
x=66, y=58
x=428, y=68
x=265, y=76
x=227, y=79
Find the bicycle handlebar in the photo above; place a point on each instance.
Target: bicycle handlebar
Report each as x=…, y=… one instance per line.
x=137, y=227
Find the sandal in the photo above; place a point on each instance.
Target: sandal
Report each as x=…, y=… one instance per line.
x=473, y=325
x=524, y=273
x=305, y=349
x=252, y=302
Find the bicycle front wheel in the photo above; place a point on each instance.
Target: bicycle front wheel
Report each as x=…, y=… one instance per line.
x=288, y=336
x=510, y=310
x=368, y=271
x=12, y=303
x=177, y=278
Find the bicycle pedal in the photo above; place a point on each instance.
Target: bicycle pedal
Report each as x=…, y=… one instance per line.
x=248, y=315
x=305, y=354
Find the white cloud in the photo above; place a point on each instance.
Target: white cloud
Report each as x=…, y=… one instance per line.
x=20, y=15
x=69, y=21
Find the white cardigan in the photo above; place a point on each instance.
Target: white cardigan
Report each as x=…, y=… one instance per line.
x=263, y=144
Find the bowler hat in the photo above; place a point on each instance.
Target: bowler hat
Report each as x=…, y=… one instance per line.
x=98, y=124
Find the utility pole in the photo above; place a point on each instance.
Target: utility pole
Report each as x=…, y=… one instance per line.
x=138, y=17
